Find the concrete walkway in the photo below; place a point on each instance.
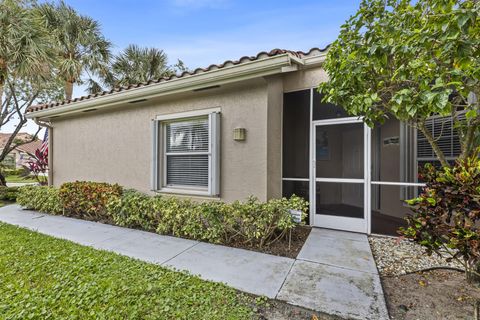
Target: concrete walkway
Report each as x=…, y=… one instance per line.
x=334, y=272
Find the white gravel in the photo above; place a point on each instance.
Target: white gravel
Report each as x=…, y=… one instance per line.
x=396, y=256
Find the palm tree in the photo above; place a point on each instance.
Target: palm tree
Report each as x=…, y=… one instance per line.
x=136, y=64
x=24, y=44
x=82, y=49
x=26, y=64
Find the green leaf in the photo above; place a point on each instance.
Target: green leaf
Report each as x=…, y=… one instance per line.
x=461, y=20
x=471, y=114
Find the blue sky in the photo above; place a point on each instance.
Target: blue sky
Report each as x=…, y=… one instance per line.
x=202, y=32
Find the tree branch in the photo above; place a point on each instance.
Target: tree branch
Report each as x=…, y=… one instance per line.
x=10, y=145
x=439, y=153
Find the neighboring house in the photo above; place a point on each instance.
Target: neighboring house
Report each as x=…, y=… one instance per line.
x=21, y=154
x=255, y=126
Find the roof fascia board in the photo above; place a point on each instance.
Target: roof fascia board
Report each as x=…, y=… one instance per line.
x=244, y=71
x=315, y=60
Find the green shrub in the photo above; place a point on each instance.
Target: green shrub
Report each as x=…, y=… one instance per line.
x=252, y=222
x=133, y=209
x=85, y=199
x=185, y=218
x=8, y=193
x=45, y=199
x=446, y=217
x=15, y=172
x=262, y=223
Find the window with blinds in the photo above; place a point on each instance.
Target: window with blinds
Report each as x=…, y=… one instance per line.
x=186, y=153
x=442, y=129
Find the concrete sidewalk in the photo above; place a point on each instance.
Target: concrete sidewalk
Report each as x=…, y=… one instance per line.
x=334, y=273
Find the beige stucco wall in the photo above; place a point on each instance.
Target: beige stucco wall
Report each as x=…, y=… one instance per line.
x=304, y=79
x=115, y=146
x=274, y=135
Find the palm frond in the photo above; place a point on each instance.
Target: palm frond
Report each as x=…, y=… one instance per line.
x=80, y=45
x=137, y=64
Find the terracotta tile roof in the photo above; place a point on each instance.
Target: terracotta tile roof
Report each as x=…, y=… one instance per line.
x=228, y=63
x=31, y=147
x=5, y=136
x=28, y=147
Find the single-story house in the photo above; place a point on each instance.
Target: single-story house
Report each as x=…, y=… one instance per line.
x=255, y=126
x=19, y=156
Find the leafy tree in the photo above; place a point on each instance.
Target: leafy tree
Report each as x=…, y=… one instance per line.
x=410, y=60
x=140, y=64
x=82, y=50
x=26, y=68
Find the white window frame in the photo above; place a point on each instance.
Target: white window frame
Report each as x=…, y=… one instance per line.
x=159, y=158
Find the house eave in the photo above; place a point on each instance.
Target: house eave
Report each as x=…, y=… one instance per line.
x=314, y=61
x=244, y=71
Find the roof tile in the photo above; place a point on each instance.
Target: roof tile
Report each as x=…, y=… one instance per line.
x=260, y=55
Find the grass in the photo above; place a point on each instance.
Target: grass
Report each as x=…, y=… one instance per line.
x=46, y=278
x=18, y=179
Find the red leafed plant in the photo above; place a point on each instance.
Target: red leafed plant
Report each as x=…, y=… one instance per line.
x=37, y=166
x=87, y=199
x=446, y=215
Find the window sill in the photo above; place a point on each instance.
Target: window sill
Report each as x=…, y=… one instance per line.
x=187, y=192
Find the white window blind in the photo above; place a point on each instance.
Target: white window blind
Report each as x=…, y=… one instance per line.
x=188, y=153
x=443, y=131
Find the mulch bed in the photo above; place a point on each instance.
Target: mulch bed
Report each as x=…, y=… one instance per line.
x=281, y=248
x=436, y=294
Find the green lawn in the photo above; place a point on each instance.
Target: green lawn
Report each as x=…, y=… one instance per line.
x=19, y=179
x=46, y=278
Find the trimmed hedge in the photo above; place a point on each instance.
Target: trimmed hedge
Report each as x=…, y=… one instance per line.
x=88, y=200
x=251, y=222
x=15, y=172
x=44, y=199
x=134, y=210
x=8, y=193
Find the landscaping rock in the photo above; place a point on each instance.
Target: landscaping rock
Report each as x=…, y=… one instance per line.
x=397, y=256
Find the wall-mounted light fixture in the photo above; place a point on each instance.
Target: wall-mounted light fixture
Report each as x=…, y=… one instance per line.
x=239, y=134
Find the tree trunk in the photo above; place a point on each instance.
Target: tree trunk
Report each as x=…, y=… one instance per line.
x=433, y=143
x=3, y=182
x=1, y=92
x=68, y=90
x=3, y=72
x=468, y=142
